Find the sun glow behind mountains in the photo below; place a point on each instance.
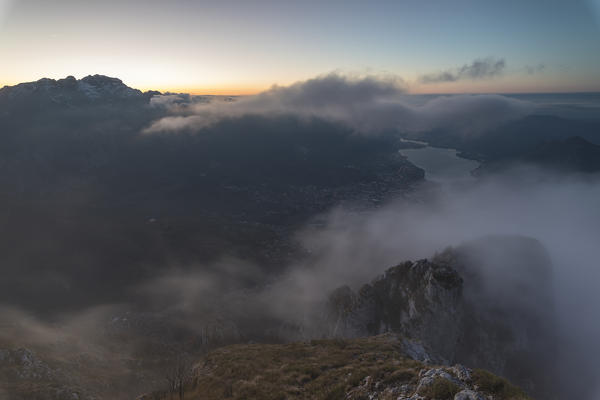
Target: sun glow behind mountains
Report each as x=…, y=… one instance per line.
x=245, y=47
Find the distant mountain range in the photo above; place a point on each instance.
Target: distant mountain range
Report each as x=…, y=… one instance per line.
x=545, y=140
x=574, y=154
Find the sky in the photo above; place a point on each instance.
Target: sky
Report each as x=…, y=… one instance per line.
x=243, y=46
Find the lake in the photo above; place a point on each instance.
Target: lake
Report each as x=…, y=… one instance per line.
x=441, y=165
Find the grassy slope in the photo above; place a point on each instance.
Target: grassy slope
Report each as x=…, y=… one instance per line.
x=322, y=369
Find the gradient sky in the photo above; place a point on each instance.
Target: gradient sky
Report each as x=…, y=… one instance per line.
x=243, y=46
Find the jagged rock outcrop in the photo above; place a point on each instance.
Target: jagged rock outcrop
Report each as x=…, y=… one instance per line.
x=417, y=299
x=487, y=303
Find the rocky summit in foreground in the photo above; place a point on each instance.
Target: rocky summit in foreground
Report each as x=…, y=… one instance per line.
x=368, y=368
x=487, y=304
x=471, y=305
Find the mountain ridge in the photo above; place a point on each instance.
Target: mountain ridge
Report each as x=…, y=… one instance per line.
x=91, y=89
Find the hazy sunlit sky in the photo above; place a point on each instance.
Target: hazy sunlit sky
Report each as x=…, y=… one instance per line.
x=243, y=46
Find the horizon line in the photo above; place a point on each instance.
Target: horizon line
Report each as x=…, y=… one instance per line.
x=218, y=92
x=245, y=90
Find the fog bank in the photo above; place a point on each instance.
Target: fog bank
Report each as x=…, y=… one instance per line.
x=369, y=105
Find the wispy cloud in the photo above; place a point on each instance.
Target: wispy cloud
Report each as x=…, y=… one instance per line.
x=534, y=69
x=483, y=68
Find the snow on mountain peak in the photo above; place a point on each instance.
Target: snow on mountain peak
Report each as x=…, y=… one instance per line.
x=92, y=88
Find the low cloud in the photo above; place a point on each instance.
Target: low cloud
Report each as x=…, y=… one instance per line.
x=350, y=247
x=483, y=68
x=170, y=100
x=558, y=211
x=50, y=349
x=368, y=105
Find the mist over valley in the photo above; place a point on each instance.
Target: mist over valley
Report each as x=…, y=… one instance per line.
x=141, y=229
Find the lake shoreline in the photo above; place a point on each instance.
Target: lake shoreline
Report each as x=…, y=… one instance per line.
x=441, y=164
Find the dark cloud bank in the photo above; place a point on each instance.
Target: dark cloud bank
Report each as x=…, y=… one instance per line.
x=193, y=208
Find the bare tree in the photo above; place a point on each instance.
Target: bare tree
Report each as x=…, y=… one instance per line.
x=178, y=376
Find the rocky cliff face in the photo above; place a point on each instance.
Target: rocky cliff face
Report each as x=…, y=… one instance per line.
x=411, y=298
x=486, y=304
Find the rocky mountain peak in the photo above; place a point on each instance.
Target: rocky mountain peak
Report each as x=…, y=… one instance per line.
x=464, y=310
x=100, y=80
x=70, y=92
